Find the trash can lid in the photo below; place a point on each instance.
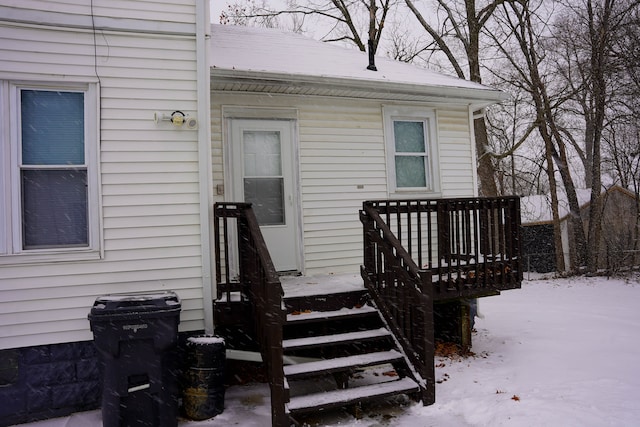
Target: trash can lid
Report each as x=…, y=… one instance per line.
x=136, y=302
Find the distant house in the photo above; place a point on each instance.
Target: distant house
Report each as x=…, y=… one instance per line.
x=123, y=123
x=618, y=237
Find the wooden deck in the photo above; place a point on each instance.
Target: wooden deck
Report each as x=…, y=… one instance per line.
x=422, y=260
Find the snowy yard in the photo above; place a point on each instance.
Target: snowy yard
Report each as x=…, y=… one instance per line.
x=561, y=352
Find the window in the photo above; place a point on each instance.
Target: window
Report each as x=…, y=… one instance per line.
x=50, y=151
x=411, y=146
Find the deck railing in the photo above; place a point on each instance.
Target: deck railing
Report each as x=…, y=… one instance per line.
x=470, y=245
x=403, y=293
x=256, y=282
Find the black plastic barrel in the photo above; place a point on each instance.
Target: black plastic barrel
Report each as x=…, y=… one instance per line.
x=203, y=389
x=135, y=335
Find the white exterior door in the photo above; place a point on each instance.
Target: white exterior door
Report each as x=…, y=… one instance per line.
x=263, y=174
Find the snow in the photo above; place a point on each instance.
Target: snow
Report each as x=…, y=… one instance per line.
x=205, y=340
x=296, y=343
x=343, y=312
x=537, y=208
x=300, y=286
x=377, y=358
x=558, y=352
x=278, y=52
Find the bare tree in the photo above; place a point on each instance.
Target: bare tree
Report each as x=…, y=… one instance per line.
x=588, y=39
x=463, y=27
x=510, y=129
x=249, y=13
x=521, y=22
x=357, y=22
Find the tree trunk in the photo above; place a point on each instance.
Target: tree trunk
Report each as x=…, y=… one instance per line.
x=486, y=170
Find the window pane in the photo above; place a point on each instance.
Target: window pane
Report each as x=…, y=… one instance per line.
x=262, y=153
x=409, y=137
x=52, y=127
x=410, y=171
x=54, y=210
x=267, y=196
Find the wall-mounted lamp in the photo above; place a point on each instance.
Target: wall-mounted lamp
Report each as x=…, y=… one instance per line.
x=177, y=118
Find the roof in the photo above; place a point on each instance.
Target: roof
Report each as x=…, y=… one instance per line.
x=537, y=209
x=273, y=60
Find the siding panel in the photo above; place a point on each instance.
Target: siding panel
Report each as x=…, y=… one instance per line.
x=149, y=172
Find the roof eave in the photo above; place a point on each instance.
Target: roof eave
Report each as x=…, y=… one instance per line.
x=476, y=98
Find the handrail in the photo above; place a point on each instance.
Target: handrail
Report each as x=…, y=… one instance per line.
x=403, y=294
x=470, y=245
x=420, y=251
x=259, y=284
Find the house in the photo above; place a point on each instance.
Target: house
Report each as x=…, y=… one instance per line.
x=618, y=244
x=138, y=157
x=89, y=77
x=338, y=122
x=309, y=135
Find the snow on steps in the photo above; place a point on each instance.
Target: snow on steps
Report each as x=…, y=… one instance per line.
x=341, y=363
x=317, y=401
x=318, y=341
x=318, y=316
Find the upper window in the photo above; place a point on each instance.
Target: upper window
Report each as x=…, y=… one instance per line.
x=52, y=185
x=410, y=144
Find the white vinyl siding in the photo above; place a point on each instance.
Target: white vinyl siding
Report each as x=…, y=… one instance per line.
x=457, y=158
x=149, y=193
x=151, y=16
x=342, y=158
x=341, y=165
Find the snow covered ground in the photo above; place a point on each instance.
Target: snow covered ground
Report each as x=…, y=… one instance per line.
x=558, y=352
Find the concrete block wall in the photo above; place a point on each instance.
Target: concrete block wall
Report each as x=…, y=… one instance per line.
x=48, y=381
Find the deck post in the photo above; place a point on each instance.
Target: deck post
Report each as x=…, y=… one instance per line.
x=429, y=350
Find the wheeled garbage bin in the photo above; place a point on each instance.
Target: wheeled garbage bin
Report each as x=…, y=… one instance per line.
x=135, y=335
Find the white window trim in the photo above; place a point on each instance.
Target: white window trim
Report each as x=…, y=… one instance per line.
x=392, y=113
x=11, y=251
x=5, y=137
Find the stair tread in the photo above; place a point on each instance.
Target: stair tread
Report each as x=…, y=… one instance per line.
x=336, y=314
x=341, y=363
x=315, y=341
x=351, y=395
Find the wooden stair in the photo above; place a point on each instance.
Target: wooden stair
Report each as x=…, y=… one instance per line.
x=334, y=348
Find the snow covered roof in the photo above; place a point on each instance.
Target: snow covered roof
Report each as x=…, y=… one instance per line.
x=272, y=60
x=537, y=209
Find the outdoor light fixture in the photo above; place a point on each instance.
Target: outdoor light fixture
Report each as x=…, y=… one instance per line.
x=177, y=119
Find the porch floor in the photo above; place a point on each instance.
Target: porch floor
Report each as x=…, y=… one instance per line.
x=302, y=286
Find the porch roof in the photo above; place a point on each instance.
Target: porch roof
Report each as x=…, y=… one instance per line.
x=268, y=60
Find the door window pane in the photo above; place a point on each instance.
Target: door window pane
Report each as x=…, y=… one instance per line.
x=267, y=197
x=262, y=153
x=263, y=179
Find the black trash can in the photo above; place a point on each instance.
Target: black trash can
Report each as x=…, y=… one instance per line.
x=135, y=335
x=203, y=390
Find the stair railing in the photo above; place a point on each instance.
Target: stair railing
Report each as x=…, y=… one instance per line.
x=470, y=245
x=404, y=295
x=258, y=284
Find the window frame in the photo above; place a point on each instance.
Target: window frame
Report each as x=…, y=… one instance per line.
x=11, y=230
x=427, y=116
